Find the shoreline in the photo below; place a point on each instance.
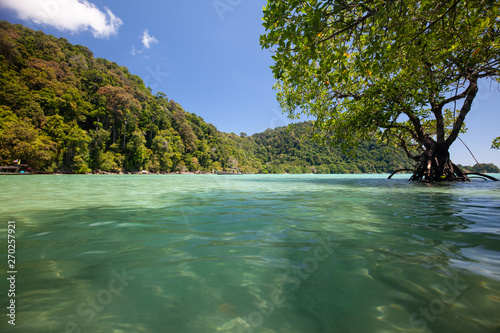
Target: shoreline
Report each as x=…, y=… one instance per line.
x=182, y=173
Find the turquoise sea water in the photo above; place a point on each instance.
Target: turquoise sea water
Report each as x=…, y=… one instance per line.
x=252, y=253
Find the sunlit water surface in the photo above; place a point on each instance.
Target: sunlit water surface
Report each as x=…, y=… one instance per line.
x=252, y=253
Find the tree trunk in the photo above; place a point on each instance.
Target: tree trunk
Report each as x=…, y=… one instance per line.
x=435, y=165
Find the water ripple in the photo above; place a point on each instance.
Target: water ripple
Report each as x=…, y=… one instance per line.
x=286, y=253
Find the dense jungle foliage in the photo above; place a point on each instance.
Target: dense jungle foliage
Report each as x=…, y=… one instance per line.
x=62, y=110
x=290, y=150
x=484, y=168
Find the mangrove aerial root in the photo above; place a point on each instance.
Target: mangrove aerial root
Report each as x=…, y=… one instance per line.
x=399, y=170
x=483, y=175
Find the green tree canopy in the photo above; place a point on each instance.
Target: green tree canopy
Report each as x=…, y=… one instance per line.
x=402, y=72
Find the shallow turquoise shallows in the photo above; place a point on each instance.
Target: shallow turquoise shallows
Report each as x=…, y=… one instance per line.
x=251, y=253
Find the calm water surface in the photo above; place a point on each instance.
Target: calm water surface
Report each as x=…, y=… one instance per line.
x=253, y=253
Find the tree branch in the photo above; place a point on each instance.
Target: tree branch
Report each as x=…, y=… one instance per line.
x=404, y=145
x=456, y=97
x=350, y=26
x=433, y=23
x=473, y=89
x=422, y=136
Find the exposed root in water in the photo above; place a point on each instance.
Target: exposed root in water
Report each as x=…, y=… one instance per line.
x=438, y=168
x=434, y=165
x=399, y=170
x=465, y=176
x=482, y=175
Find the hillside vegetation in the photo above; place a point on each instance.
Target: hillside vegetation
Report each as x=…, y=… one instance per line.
x=486, y=168
x=62, y=109
x=291, y=150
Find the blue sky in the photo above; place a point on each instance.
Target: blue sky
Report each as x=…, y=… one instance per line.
x=205, y=55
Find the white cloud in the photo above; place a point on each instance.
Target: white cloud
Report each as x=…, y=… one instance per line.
x=66, y=15
x=147, y=40
x=135, y=51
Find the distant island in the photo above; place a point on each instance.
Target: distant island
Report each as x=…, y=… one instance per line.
x=62, y=110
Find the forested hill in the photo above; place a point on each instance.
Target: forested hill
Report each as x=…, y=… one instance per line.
x=289, y=150
x=63, y=110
